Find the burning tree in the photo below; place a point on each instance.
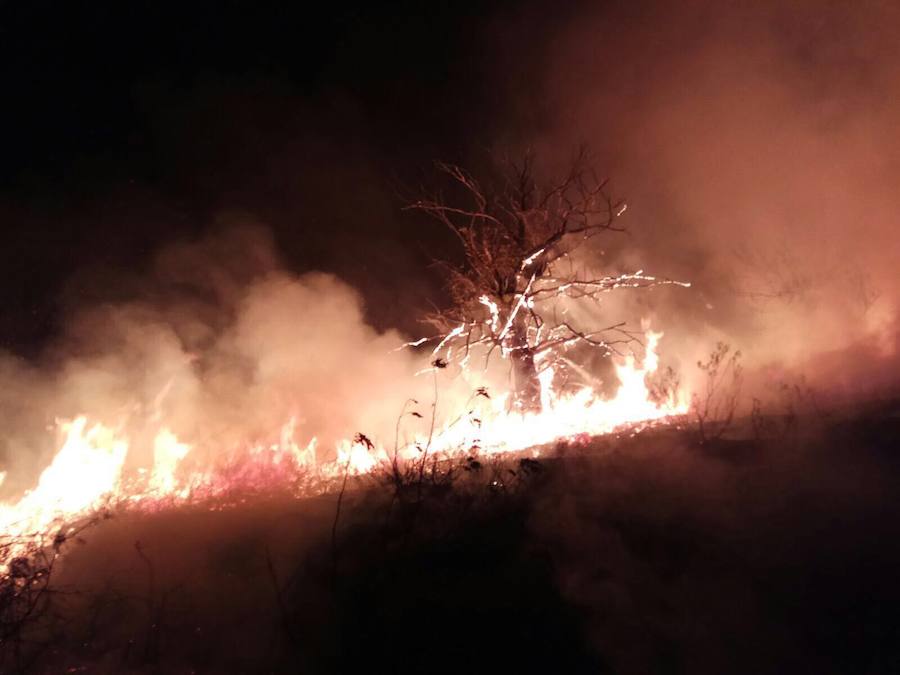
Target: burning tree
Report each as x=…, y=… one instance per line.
x=518, y=234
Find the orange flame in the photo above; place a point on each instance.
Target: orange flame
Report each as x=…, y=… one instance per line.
x=87, y=471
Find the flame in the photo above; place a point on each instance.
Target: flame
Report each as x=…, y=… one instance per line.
x=167, y=453
x=88, y=470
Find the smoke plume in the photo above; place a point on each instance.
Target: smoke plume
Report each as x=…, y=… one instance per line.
x=220, y=344
x=755, y=145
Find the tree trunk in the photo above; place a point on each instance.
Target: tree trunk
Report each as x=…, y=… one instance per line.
x=527, y=384
x=525, y=375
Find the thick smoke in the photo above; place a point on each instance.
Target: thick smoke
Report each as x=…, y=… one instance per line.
x=755, y=145
x=220, y=344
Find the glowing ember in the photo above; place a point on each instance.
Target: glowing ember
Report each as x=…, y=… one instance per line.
x=87, y=472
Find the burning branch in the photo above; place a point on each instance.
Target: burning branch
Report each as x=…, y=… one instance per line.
x=514, y=239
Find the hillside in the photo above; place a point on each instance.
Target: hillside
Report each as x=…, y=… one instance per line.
x=638, y=554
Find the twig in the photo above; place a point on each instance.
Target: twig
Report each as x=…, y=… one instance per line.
x=277, y=590
x=334, y=525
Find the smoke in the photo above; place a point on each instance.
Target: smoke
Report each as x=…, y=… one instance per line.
x=755, y=145
x=219, y=343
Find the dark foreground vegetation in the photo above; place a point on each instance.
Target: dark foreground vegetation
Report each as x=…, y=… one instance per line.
x=652, y=553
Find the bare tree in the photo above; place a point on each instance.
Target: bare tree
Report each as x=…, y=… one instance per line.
x=518, y=235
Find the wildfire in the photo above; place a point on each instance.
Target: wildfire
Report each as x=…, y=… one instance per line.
x=89, y=470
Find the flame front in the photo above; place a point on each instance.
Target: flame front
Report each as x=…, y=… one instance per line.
x=89, y=469
x=86, y=469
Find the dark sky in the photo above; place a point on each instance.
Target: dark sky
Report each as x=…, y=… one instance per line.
x=127, y=125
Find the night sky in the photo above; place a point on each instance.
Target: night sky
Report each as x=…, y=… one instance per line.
x=128, y=125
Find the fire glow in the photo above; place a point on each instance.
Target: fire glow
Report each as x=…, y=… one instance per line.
x=90, y=469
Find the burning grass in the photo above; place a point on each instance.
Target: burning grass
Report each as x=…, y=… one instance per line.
x=90, y=469
x=631, y=553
